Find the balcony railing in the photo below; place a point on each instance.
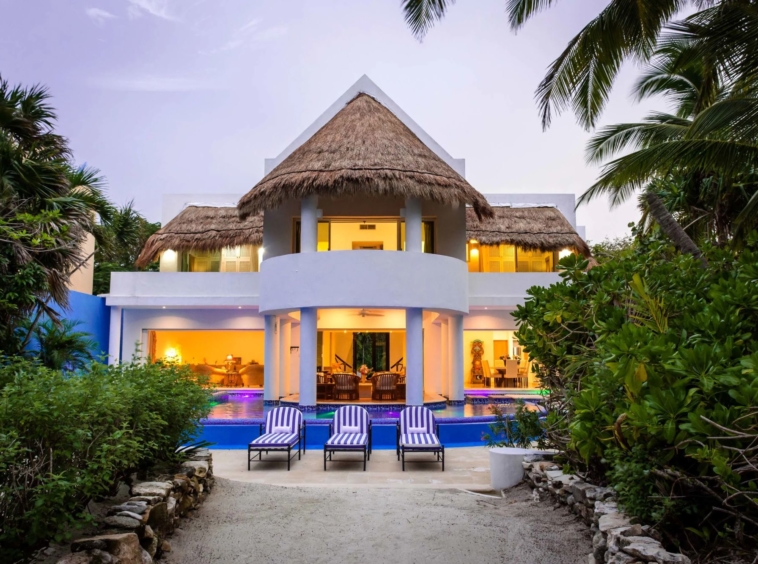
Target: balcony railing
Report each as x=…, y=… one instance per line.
x=156, y=289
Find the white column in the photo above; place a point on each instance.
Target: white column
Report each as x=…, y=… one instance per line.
x=432, y=361
x=456, y=358
x=270, y=361
x=285, y=339
x=414, y=351
x=413, y=225
x=308, y=337
x=114, y=336
x=309, y=225
x=445, y=357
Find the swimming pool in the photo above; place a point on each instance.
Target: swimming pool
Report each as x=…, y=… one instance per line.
x=235, y=418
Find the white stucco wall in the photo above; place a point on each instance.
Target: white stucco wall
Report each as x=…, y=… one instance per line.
x=505, y=289
x=190, y=289
x=364, y=279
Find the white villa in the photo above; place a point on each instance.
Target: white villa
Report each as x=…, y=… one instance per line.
x=362, y=245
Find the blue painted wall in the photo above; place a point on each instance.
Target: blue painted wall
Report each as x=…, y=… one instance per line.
x=94, y=318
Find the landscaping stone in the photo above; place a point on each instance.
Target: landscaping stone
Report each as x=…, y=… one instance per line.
x=124, y=547
x=605, y=508
x=133, y=507
x=650, y=550
x=149, y=499
x=76, y=558
x=200, y=467
x=122, y=522
x=621, y=558
x=612, y=521
x=171, y=505
x=615, y=539
x=150, y=515
x=579, y=490
x=159, y=519
x=129, y=514
x=161, y=489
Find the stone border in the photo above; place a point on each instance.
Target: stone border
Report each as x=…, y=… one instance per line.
x=136, y=531
x=617, y=540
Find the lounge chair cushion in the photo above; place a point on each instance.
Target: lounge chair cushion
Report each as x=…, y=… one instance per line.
x=346, y=429
x=282, y=429
x=418, y=430
x=419, y=439
x=274, y=440
x=348, y=439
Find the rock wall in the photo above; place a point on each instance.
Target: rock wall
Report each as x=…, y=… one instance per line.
x=617, y=540
x=135, y=531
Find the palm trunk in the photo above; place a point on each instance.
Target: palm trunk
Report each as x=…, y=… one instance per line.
x=672, y=229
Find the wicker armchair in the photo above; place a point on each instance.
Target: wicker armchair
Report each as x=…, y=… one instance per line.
x=384, y=386
x=346, y=386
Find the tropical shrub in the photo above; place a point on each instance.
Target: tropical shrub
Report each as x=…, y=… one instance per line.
x=651, y=366
x=521, y=430
x=68, y=438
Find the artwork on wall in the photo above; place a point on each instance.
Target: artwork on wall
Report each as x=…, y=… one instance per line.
x=477, y=351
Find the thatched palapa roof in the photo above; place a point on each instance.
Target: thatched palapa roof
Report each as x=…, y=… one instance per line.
x=203, y=228
x=531, y=228
x=363, y=150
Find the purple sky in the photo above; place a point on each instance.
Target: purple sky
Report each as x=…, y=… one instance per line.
x=191, y=95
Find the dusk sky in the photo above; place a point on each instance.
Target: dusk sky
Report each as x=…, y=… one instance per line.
x=169, y=96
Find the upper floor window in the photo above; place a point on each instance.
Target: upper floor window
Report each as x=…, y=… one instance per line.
x=508, y=258
x=365, y=234
x=243, y=258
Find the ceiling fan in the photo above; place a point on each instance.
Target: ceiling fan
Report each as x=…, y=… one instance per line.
x=368, y=313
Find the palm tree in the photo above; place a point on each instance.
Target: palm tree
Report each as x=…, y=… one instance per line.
x=582, y=76
x=124, y=235
x=47, y=208
x=701, y=158
x=59, y=346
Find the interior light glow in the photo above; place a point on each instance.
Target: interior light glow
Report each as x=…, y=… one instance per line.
x=564, y=253
x=260, y=257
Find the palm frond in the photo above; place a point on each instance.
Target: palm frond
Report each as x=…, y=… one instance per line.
x=519, y=11
x=612, y=139
x=421, y=15
x=582, y=76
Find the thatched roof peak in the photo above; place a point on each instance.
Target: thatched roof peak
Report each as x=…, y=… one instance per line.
x=538, y=227
x=364, y=149
x=203, y=228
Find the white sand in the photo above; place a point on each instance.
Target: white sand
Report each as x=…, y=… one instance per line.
x=251, y=523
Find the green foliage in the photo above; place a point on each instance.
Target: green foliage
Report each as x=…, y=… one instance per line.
x=520, y=430
x=59, y=346
x=66, y=439
x=123, y=236
x=47, y=208
x=650, y=363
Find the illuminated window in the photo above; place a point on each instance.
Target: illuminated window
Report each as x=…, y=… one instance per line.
x=243, y=258
x=507, y=258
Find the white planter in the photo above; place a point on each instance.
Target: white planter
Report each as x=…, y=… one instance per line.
x=506, y=470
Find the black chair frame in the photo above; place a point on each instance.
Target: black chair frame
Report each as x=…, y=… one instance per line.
x=331, y=449
x=301, y=448
x=438, y=450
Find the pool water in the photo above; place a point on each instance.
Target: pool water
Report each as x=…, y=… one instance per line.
x=234, y=407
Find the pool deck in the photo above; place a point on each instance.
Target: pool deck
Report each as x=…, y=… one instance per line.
x=465, y=468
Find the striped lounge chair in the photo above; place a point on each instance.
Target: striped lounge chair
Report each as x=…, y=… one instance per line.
x=418, y=431
x=349, y=432
x=284, y=429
